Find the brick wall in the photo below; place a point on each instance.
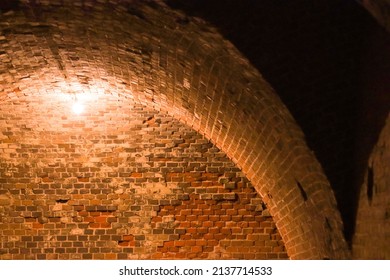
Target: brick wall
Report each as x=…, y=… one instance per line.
x=161, y=58
x=328, y=61
x=371, y=240
x=121, y=182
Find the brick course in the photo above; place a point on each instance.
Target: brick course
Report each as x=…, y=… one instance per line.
x=128, y=183
x=147, y=53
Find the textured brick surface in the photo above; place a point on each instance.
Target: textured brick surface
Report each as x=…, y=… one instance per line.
x=329, y=68
x=371, y=240
x=163, y=59
x=121, y=182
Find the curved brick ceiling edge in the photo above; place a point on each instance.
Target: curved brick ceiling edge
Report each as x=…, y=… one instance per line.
x=166, y=60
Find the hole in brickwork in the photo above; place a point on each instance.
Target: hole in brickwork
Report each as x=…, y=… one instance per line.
x=62, y=200
x=136, y=12
x=327, y=224
x=370, y=184
x=387, y=213
x=303, y=193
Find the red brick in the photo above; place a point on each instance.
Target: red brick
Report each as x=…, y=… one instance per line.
x=121, y=164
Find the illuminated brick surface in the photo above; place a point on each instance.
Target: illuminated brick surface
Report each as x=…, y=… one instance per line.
x=129, y=55
x=126, y=183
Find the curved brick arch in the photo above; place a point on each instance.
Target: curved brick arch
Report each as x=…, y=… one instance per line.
x=374, y=225
x=179, y=65
x=380, y=10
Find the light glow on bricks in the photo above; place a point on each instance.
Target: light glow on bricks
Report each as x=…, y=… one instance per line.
x=144, y=133
x=78, y=108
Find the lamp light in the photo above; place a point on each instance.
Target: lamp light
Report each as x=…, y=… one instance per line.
x=78, y=108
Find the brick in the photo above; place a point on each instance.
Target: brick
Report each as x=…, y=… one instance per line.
x=125, y=175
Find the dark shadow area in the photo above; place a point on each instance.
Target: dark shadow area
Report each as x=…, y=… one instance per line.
x=9, y=5
x=329, y=61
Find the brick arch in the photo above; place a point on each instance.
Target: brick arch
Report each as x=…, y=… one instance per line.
x=373, y=225
x=179, y=65
x=379, y=9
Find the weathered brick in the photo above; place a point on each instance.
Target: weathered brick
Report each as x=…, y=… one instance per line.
x=128, y=146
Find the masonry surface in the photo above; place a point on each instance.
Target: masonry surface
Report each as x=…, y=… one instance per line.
x=183, y=150
x=122, y=182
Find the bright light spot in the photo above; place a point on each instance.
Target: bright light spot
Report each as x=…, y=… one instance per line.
x=78, y=108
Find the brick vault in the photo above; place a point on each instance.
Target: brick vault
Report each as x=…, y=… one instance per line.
x=183, y=150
